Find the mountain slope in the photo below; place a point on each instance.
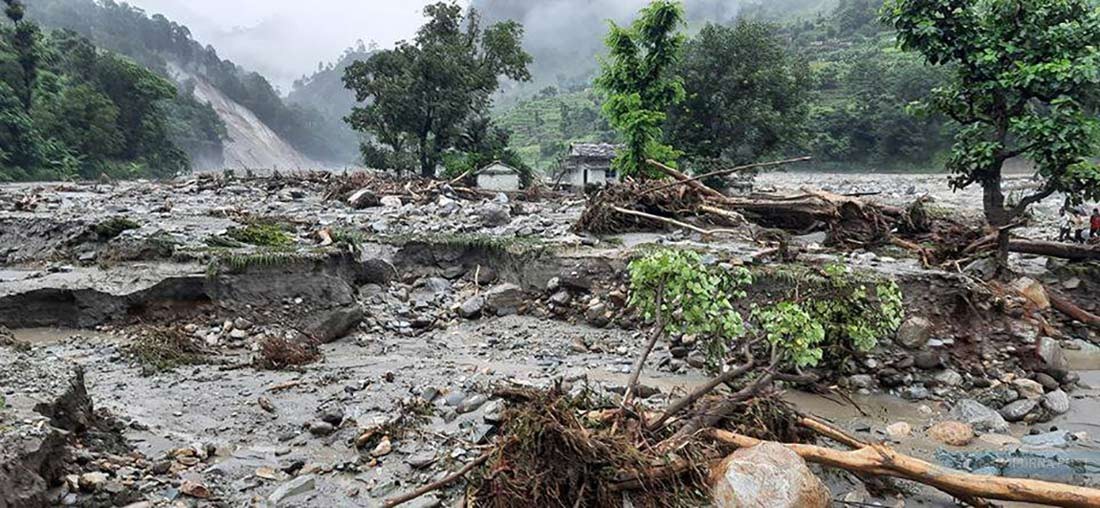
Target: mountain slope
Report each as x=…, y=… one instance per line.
x=157, y=42
x=251, y=144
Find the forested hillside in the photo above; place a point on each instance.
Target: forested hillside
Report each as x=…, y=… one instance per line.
x=324, y=92
x=857, y=92
x=157, y=42
x=69, y=110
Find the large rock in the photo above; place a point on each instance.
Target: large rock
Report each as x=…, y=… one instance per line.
x=767, y=476
x=297, y=486
x=981, y=418
x=914, y=333
x=472, y=307
x=364, y=198
x=504, y=300
x=1057, y=402
x=1053, y=358
x=46, y=401
x=952, y=433
x=1018, y=410
x=493, y=214
x=1033, y=291
x=329, y=325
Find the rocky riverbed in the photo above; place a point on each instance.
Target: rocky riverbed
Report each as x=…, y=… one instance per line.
x=171, y=311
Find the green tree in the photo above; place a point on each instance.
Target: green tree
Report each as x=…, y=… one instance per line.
x=639, y=85
x=24, y=40
x=747, y=96
x=1023, y=84
x=419, y=94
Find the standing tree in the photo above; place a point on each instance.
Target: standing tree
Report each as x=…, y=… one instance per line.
x=746, y=94
x=639, y=85
x=1023, y=84
x=419, y=94
x=23, y=41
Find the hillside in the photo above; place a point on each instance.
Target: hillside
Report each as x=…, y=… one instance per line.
x=158, y=43
x=861, y=88
x=324, y=92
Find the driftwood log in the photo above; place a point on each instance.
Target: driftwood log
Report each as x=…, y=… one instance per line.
x=1070, y=251
x=881, y=460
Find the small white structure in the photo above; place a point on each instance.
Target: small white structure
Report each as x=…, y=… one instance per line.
x=498, y=176
x=588, y=164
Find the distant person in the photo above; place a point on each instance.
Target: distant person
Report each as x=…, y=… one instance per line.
x=1065, y=225
x=1080, y=226
x=1094, y=223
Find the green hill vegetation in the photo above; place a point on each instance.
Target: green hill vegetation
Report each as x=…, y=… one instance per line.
x=71, y=110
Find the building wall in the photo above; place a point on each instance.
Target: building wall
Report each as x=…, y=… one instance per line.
x=575, y=172
x=499, y=182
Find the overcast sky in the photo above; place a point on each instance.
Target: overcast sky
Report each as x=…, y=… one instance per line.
x=284, y=39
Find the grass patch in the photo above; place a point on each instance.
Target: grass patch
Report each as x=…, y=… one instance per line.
x=112, y=228
x=164, y=349
x=261, y=235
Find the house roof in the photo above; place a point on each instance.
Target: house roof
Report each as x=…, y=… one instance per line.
x=593, y=150
x=497, y=168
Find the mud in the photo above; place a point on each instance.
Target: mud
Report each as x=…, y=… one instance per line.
x=388, y=307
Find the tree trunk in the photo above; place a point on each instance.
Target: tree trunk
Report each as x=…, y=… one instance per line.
x=427, y=166
x=993, y=204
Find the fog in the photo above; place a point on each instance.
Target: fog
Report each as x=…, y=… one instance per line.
x=284, y=39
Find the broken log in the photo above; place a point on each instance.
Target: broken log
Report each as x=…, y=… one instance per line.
x=1067, y=307
x=654, y=335
x=674, y=222
x=722, y=172
x=682, y=178
x=1070, y=251
x=404, y=498
x=884, y=461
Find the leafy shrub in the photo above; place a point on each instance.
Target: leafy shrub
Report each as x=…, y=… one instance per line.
x=263, y=235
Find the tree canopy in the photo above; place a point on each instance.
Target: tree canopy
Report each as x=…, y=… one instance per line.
x=1023, y=80
x=418, y=95
x=747, y=95
x=69, y=110
x=639, y=84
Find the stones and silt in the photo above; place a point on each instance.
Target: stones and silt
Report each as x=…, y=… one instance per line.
x=213, y=341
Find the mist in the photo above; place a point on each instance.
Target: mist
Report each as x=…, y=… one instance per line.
x=285, y=39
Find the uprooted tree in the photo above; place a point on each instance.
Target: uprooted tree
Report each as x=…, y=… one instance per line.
x=1023, y=75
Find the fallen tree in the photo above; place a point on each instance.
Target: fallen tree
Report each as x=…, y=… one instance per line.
x=881, y=460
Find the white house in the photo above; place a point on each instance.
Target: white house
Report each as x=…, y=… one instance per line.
x=587, y=164
x=498, y=177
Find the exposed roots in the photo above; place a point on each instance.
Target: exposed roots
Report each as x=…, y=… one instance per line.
x=600, y=216
x=160, y=349
x=278, y=353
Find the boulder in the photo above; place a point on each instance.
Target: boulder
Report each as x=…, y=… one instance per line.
x=391, y=202
x=504, y=300
x=1033, y=291
x=899, y=430
x=472, y=307
x=767, y=475
x=1056, y=402
x=914, y=333
x=1053, y=358
x=494, y=214
x=952, y=433
x=328, y=325
x=1028, y=388
x=979, y=417
x=1018, y=410
x=364, y=198
x=297, y=486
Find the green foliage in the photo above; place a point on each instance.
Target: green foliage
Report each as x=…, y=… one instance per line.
x=1023, y=75
x=747, y=94
x=111, y=228
x=855, y=312
x=263, y=235
x=159, y=44
x=697, y=298
x=542, y=128
x=639, y=84
x=480, y=144
x=419, y=95
x=788, y=326
x=89, y=112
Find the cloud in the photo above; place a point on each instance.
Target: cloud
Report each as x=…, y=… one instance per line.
x=284, y=39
